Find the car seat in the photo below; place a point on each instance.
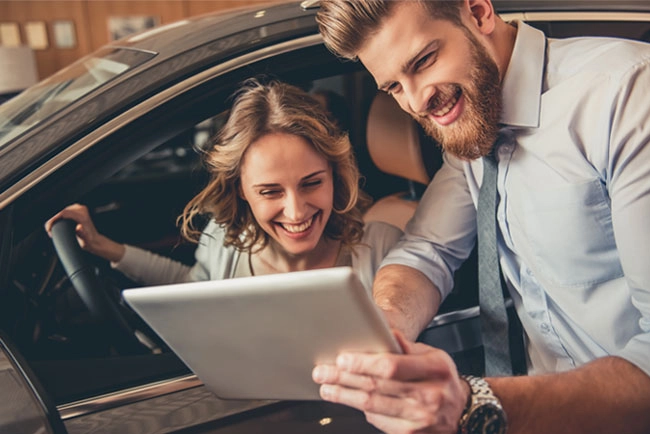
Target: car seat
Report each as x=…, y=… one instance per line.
x=398, y=146
x=395, y=144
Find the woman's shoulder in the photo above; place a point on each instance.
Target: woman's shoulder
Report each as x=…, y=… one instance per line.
x=214, y=229
x=376, y=231
x=213, y=238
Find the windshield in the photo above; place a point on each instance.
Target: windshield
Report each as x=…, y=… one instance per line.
x=64, y=88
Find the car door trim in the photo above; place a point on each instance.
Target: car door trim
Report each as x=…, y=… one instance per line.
x=576, y=16
x=128, y=396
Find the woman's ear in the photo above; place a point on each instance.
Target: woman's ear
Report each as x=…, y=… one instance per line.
x=240, y=192
x=483, y=15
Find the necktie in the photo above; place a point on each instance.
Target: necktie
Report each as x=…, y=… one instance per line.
x=494, y=319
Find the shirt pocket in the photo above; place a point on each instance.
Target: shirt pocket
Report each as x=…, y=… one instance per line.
x=570, y=231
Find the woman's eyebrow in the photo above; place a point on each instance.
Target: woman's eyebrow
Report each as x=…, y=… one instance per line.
x=311, y=175
x=272, y=184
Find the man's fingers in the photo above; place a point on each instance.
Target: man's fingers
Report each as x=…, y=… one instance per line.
x=423, y=363
x=385, y=412
x=327, y=374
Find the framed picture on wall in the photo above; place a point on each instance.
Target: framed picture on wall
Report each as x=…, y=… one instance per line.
x=119, y=27
x=64, y=34
x=36, y=34
x=9, y=35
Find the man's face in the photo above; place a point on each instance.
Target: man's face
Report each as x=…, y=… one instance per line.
x=441, y=75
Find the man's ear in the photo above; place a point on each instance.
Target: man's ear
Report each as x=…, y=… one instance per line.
x=483, y=15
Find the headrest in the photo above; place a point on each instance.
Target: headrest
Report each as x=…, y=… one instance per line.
x=393, y=140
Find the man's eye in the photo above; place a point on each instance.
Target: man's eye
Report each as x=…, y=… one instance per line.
x=423, y=61
x=392, y=89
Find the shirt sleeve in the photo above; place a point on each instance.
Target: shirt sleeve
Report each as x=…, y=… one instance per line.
x=214, y=261
x=628, y=179
x=441, y=233
x=149, y=268
x=378, y=239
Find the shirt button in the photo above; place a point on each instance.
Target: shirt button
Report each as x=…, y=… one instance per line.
x=545, y=328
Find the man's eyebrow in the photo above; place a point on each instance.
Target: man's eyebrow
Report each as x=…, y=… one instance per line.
x=434, y=44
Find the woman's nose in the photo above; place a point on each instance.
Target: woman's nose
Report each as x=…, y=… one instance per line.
x=295, y=207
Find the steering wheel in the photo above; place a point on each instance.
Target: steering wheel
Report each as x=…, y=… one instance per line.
x=92, y=287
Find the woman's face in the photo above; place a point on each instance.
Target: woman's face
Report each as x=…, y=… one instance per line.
x=290, y=190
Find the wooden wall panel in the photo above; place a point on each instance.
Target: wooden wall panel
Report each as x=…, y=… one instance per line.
x=52, y=58
x=100, y=11
x=91, y=20
x=199, y=7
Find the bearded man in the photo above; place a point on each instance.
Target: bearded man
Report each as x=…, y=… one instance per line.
x=564, y=124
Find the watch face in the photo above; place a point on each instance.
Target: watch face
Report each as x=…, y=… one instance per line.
x=486, y=419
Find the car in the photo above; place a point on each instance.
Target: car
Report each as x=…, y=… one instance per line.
x=121, y=131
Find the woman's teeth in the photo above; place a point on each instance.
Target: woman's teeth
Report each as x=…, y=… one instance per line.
x=295, y=229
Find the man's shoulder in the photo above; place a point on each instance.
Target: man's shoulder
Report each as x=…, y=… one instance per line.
x=607, y=55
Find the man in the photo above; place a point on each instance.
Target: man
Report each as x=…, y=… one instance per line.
x=574, y=205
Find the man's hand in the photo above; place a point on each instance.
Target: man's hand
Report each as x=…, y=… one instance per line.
x=417, y=391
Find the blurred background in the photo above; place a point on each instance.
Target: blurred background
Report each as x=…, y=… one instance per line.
x=37, y=38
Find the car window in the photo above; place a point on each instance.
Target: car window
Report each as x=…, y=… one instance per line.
x=63, y=88
x=137, y=204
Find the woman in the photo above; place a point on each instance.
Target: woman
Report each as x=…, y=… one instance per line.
x=283, y=196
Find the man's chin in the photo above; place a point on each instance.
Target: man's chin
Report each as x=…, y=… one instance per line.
x=467, y=152
x=463, y=148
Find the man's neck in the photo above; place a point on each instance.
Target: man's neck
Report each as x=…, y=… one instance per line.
x=503, y=39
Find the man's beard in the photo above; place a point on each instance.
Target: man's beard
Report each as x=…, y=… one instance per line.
x=473, y=134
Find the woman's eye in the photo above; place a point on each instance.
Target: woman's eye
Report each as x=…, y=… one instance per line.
x=269, y=192
x=311, y=184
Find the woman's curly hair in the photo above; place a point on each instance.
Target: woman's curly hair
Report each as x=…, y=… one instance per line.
x=260, y=109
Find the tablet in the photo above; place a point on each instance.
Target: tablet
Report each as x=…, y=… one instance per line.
x=260, y=337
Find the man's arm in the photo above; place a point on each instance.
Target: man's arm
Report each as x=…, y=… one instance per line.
x=608, y=395
x=407, y=297
x=420, y=391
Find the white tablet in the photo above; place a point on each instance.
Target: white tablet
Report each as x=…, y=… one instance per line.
x=260, y=337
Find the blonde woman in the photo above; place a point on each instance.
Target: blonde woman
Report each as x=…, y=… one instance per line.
x=283, y=196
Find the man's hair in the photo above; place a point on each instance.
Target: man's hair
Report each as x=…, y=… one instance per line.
x=346, y=25
x=266, y=108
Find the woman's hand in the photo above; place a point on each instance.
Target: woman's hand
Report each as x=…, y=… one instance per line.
x=415, y=392
x=87, y=235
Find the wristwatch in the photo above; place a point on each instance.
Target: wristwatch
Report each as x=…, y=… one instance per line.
x=483, y=413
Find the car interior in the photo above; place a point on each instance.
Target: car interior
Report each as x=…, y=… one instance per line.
x=136, y=179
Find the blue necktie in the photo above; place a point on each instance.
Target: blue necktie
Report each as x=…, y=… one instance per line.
x=494, y=319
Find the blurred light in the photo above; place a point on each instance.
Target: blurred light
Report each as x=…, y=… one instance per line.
x=17, y=69
x=260, y=14
x=325, y=421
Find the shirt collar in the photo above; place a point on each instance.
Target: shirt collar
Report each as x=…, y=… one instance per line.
x=522, y=84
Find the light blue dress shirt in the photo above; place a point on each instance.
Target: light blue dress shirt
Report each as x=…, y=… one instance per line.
x=574, y=208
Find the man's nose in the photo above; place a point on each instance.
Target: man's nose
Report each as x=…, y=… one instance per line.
x=417, y=98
